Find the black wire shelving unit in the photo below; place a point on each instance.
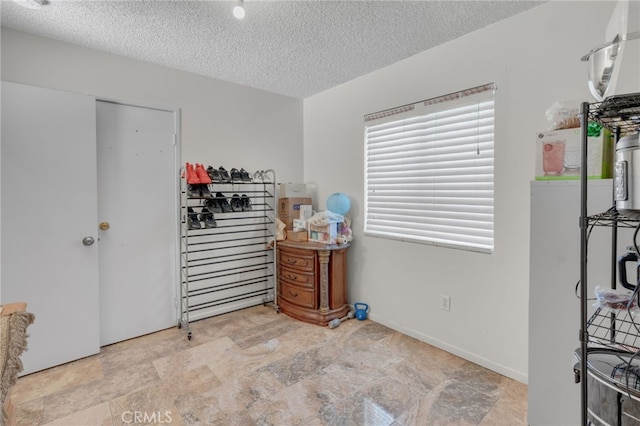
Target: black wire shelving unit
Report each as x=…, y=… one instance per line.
x=615, y=331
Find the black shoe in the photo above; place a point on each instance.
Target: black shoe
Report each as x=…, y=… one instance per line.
x=208, y=219
x=236, y=176
x=204, y=191
x=224, y=175
x=193, y=191
x=246, y=202
x=213, y=206
x=192, y=219
x=245, y=176
x=236, y=203
x=223, y=203
x=214, y=174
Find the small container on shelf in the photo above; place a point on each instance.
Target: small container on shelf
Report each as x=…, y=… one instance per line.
x=297, y=235
x=326, y=234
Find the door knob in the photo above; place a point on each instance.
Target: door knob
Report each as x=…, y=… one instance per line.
x=104, y=226
x=87, y=241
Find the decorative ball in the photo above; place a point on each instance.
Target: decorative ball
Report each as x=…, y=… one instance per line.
x=338, y=203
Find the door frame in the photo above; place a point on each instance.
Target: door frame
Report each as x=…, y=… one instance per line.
x=177, y=152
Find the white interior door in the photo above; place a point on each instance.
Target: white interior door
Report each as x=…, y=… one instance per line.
x=137, y=198
x=49, y=204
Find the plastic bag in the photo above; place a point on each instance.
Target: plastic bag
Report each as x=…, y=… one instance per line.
x=616, y=300
x=564, y=115
x=325, y=217
x=280, y=234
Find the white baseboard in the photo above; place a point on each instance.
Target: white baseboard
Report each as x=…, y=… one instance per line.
x=484, y=362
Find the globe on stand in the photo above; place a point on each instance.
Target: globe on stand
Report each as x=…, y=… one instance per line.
x=338, y=203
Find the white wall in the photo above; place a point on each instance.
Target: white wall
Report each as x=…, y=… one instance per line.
x=223, y=124
x=534, y=58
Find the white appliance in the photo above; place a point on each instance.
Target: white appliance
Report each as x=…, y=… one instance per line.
x=554, y=309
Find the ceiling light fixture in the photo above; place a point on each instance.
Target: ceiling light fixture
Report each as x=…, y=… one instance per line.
x=238, y=10
x=30, y=4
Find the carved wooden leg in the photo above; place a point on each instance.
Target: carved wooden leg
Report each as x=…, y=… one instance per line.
x=323, y=256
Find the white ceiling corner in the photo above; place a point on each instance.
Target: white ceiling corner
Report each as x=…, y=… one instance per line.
x=293, y=48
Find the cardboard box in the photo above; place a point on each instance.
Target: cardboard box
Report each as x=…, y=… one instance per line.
x=289, y=209
x=558, y=155
x=297, y=235
x=292, y=190
x=291, y=206
x=325, y=234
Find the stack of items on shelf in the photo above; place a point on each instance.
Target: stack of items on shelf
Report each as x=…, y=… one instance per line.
x=218, y=204
x=206, y=217
x=230, y=266
x=609, y=369
x=198, y=181
x=608, y=365
x=198, y=178
x=331, y=226
x=222, y=176
x=301, y=224
x=558, y=149
x=294, y=208
x=325, y=227
x=197, y=175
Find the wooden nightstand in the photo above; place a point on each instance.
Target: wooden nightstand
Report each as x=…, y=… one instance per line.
x=312, y=281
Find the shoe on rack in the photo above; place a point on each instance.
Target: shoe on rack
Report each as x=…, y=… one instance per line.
x=245, y=176
x=214, y=174
x=208, y=219
x=235, y=175
x=223, y=203
x=258, y=175
x=224, y=174
x=202, y=174
x=236, y=203
x=246, y=202
x=192, y=177
x=213, y=206
x=193, y=191
x=204, y=191
x=192, y=219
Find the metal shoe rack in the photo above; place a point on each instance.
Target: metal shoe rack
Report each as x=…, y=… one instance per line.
x=609, y=367
x=229, y=266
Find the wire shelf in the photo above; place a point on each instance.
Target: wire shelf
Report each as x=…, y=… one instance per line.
x=614, y=330
x=618, y=112
x=612, y=217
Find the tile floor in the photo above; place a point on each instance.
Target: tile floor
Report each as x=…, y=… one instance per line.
x=257, y=367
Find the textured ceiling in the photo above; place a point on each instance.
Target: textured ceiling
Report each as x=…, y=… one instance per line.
x=294, y=48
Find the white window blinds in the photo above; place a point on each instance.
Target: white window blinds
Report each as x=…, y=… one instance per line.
x=429, y=171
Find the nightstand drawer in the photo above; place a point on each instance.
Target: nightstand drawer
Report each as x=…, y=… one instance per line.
x=306, y=279
x=299, y=262
x=297, y=295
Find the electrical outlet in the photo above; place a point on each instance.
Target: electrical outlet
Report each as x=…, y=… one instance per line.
x=445, y=303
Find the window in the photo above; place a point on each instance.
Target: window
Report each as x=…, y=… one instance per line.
x=429, y=171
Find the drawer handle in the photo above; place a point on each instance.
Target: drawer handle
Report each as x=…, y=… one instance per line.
x=292, y=261
x=292, y=293
x=292, y=277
